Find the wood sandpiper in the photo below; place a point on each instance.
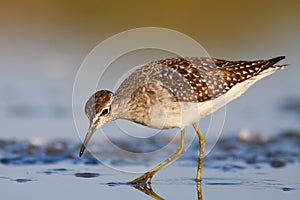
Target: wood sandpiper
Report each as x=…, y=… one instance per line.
x=175, y=93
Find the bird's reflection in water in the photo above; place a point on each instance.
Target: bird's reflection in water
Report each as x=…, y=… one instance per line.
x=199, y=190
x=147, y=189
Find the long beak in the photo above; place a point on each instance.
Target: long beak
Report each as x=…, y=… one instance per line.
x=88, y=136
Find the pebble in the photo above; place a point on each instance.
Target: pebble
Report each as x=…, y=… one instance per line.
x=277, y=164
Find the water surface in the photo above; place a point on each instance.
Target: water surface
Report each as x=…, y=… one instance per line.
x=237, y=168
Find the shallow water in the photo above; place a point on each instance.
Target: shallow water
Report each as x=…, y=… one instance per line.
x=63, y=181
x=237, y=168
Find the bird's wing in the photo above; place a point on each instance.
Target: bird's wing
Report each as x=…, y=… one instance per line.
x=200, y=79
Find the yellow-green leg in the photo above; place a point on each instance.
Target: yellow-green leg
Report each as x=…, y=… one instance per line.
x=148, y=175
x=201, y=154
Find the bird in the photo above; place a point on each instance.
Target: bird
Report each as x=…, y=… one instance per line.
x=176, y=93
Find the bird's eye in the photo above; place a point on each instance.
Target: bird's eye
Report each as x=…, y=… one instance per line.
x=104, y=112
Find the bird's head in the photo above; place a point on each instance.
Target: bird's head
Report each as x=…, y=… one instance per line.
x=98, y=110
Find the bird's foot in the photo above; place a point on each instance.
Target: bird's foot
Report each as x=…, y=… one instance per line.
x=143, y=180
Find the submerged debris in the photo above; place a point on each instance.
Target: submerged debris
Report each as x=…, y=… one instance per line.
x=256, y=150
x=230, y=153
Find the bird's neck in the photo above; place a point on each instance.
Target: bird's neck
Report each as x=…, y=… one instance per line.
x=119, y=108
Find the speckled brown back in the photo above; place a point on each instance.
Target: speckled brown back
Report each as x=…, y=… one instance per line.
x=209, y=78
x=195, y=79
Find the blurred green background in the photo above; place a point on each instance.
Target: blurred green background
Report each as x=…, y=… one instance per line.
x=42, y=44
x=225, y=28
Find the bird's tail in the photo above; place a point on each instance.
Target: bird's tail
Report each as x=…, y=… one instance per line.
x=271, y=62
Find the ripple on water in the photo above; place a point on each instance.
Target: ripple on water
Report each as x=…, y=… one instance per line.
x=22, y=180
x=115, y=184
x=87, y=175
x=223, y=181
x=55, y=171
x=286, y=189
